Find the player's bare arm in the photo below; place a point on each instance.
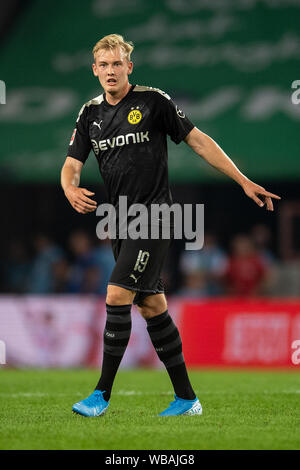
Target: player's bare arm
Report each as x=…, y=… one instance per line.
x=208, y=149
x=70, y=179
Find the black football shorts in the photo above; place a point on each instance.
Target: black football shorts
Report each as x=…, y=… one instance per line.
x=138, y=266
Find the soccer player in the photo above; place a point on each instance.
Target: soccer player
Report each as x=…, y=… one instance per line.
x=126, y=127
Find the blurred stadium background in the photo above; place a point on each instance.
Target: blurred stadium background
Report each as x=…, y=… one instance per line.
x=230, y=65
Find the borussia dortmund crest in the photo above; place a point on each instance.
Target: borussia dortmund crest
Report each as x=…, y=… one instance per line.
x=134, y=116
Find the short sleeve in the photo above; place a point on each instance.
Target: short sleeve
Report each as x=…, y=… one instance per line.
x=80, y=143
x=174, y=121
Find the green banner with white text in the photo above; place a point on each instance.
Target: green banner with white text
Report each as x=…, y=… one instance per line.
x=229, y=64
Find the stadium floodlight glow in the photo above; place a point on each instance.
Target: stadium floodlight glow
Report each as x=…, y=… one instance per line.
x=2, y=352
x=2, y=92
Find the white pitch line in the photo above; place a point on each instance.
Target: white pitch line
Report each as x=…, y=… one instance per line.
x=43, y=395
x=136, y=393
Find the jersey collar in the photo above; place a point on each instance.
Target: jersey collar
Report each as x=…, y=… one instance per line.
x=120, y=102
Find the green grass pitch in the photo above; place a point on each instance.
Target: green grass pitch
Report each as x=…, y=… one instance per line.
x=241, y=410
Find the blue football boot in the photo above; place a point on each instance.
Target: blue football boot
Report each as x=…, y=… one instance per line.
x=92, y=406
x=183, y=407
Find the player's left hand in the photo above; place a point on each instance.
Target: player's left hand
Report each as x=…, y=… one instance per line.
x=253, y=190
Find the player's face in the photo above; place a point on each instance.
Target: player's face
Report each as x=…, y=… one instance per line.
x=112, y=69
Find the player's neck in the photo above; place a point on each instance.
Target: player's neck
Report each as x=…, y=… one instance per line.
x=116, y=98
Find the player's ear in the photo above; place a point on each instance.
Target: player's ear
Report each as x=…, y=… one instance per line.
x=130, y=67
x=94, y=70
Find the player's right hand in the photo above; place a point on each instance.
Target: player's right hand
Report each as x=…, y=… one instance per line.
x=79, y=200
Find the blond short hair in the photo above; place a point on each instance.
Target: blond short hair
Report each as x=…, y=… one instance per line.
x=114, y=40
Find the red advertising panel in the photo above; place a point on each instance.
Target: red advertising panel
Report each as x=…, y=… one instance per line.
x=241, y=332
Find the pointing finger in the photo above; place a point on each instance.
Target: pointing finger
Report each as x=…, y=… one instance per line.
x=266, y=193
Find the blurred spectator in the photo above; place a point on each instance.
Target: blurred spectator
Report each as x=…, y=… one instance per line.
x=105, y=259
x=85, y=273
x=203, y=270
x=61, y=272
x=194, y=285
x=262, y=237
x=16, y=268
x=246, y=270
x=287, y=282
x=41, y=277
x=252, y=268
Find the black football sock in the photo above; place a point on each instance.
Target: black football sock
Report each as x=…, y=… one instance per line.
x=116, y=336
x=166, y=340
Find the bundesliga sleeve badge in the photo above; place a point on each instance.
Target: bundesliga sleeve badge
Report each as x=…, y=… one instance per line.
x=73, y=137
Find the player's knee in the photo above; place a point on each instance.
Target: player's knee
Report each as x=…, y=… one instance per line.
x=145, y=312
x=118, y=296
x=153, y=306
x=149, y=312
x=117, y=299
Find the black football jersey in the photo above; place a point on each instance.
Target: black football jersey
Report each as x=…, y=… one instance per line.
x=129, y=140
